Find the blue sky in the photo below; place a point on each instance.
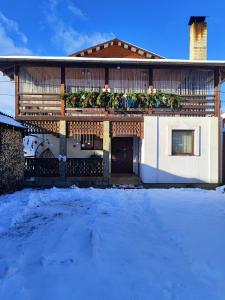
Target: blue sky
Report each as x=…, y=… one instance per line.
x=60, y=27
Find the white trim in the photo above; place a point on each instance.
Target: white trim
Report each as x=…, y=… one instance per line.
x=113, y=60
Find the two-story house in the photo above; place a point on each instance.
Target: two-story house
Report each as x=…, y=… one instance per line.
x=116, y=108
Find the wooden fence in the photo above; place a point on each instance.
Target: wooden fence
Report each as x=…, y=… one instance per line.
x=79, y=167
x=75, y=167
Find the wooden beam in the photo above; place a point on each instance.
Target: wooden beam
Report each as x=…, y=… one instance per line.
x=16, y=78
x=150, y=77
x=217, y=91
x=62, y=90
x=106, y=75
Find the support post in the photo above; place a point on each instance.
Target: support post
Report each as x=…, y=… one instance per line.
x=217, y=92
x=106, y=76
x=106, y=152
x=62, y=149
x=16, y=78
x=62, y=91
x=150, y=77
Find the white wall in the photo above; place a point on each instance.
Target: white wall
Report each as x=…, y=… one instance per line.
x=158, y=165
x=74, y=150
x=36, y=144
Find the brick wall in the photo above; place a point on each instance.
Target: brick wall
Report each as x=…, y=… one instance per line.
x=11, y=159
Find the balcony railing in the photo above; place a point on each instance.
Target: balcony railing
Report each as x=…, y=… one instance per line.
x=52, y=106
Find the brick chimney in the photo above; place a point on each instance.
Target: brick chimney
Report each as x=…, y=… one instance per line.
x=198, y=38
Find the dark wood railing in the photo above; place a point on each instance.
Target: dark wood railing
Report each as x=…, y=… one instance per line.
x=75, y=167
x=41, y=167
x=52, y=106
x=84, y=167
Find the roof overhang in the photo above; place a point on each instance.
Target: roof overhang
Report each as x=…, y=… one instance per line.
x=7, y=62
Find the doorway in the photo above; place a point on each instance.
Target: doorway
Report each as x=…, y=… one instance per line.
x=122, y=155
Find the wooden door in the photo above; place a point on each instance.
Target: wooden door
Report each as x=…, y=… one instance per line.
x=122, y=155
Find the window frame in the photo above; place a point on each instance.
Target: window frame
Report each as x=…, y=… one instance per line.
x=93, y=145
x=192, y=143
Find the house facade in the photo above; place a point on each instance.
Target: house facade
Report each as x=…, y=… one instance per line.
x=11, y=154
x=117, y=109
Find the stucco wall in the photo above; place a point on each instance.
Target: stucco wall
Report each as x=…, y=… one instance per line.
x=158, y=165
x=11, y=159
x=51, y=142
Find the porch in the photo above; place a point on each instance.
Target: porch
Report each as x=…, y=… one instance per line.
x=97, y=152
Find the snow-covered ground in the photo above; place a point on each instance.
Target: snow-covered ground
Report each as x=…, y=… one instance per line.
x=112, y=244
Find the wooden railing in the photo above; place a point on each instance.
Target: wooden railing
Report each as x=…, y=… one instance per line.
x=53, y=106
x=40, y=104
x=84, y=167
x=41, y=167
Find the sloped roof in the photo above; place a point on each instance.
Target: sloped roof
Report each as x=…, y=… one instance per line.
x=118, y=49
x=10, y=121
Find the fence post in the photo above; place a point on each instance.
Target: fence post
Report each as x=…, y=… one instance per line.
x=62, y=149
x=106, y=151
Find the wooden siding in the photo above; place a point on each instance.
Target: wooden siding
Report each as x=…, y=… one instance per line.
x=114, y=51
x=118, y=49
x=84, y=79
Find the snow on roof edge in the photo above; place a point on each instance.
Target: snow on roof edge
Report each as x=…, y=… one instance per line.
x=10, y=121
x=105, y=59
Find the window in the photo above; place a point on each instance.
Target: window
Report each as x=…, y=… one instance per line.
x=91, y=142
x=182, y=142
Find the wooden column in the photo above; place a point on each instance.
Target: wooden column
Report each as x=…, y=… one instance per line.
x=150, y=77
x=106, y=152
x=16, y=78
x=217, y=91
x=62, y=91
x=62, y=149
x=106, y=76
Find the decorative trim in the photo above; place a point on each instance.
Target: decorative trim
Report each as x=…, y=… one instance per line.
x=85, y=127
x=129, y=128
x=43, y=127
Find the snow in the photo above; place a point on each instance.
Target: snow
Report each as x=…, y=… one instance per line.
x=112, y=244
x=163, y=61
x=10, y=121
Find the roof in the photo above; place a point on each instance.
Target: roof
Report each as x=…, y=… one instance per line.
x=63, y=59
x=10, y=121
x=7, y=63
x=116, y=48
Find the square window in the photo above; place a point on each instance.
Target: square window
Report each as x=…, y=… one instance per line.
x=182, y=142
x=91, y=142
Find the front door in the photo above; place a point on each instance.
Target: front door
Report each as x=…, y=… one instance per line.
x=122, y=155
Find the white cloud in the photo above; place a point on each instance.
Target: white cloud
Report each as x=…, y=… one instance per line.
x=66, y=37
x=8, y=47
x=71, y=40
x=76, y=11
x=13, y=26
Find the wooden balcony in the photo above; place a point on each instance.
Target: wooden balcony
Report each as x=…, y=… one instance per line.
x=53, y=107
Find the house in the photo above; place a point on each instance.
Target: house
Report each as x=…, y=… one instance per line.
x=116, y=109
x=11, y=154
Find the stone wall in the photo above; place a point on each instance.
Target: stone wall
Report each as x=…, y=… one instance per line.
x=11, y=159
